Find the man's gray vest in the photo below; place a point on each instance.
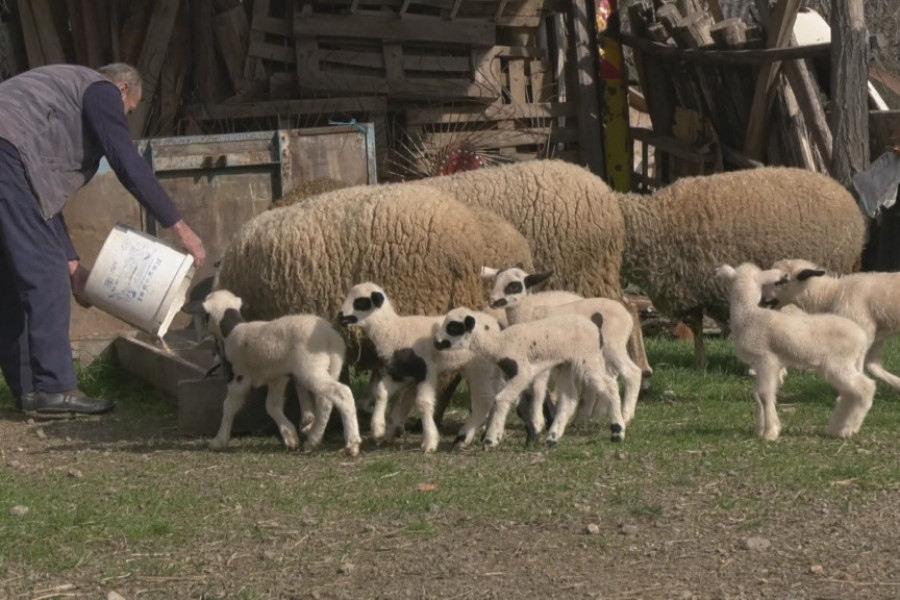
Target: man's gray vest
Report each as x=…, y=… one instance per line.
x=40, y=114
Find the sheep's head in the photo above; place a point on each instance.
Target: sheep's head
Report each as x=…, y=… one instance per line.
x=364, y=300
x=221, y=309
x=748, y=281
x=511, y=285
x=796, y=274
x=456, y=330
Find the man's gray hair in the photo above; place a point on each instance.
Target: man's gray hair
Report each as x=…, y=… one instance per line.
x=122, y=73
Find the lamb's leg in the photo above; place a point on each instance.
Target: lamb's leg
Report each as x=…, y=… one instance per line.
x=695, y=322
x=535, y=422
x=606, y=388
x=275, y=408
x=384, y=389
x=855, y=400
x=588, y=407
x=565, y=404
x=425, y=401
x=622, y=365
x=501, y=407
x=307, y=408
x=875, y=365
x=636, y=343
x=403, y=405
x=342, y=398
x=238, y=388
x=766, y=391
x=481, y=396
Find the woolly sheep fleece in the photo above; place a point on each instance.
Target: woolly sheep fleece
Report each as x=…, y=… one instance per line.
x=678, y=236
x=424, y=248
x=569, y=216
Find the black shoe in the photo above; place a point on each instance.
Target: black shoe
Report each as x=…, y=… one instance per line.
x=61, y=404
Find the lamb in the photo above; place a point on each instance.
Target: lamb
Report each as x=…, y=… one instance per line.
x=678, y=236
x=767, y=340
x=512, y=290
x=868, y=299
x=304, y=348
x=526, y=350
x=404, y=344
x=570, y=217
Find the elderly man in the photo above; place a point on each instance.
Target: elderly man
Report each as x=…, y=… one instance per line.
x=56, y=123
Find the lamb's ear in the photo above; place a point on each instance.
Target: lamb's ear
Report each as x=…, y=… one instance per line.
x=377, y=299
x=489, y=272
x=770, y=277
x=807, y=273
x=194, y=307
x=470, y=322
x=725, y=272
x=536, y=279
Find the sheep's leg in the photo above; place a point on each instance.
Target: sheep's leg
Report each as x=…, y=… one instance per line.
x=342, y=398
x=481, y=396
x=275, y=408
x=502, y=405
x=238, y=388
x=324, y=404
x=598, y=380
x=307, y=408
x=855, y=400
x=384, y=388
x=368, y=401
x=636, y=343
x=588, y=406
x=695, y=322
x=425, y=401
x=535, y=422
x=403, y=405
x=565, y=405
x=765, y=391
x=875, y=365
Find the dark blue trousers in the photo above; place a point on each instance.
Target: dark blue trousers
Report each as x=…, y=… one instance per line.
x=35, y=292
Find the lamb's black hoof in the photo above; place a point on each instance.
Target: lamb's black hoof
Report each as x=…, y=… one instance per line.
x=488, y=444
x=618, y=432
x=552, y=443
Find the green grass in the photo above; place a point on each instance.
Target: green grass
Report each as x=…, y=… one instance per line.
x=152, y=502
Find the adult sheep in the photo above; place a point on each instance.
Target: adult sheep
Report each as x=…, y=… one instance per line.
x=421, y=245
x=678, y=236
x=570, y=218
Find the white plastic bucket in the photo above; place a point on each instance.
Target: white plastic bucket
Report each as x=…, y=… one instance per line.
x=140, y=279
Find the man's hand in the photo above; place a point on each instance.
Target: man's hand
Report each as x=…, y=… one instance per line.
x=190, y=241
x=78, y=275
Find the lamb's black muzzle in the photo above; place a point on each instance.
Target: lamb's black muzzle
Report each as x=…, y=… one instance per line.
x=347, y=319
x=441, y=344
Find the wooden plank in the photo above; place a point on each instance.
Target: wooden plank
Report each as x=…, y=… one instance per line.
x=174, y=72
x=849, y=79
x=233, y=32
x=517, y=82
x=114, y=48
x=317, y=106
x=725, y=57
x=76, y=22
x=425, y=87
x=42, y=44
x=92, y=18
x=283, y=54
x=780, y=28
x=209, y=77
x=411, y=29
x=503, y=138
x=33, y=50
x=589, y=128
x=152, y=58
x=134, y=28
x=253, y=67
x=393, y=62
x=308, y=58
x=806, y=91
x=541, y=82
x=493, y=112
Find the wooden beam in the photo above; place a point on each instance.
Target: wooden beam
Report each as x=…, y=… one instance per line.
x=233, y=34
x=849, y=89
x=724, y=57
x=589, y=126
x=42, y=44
x=411, y=28
x=317, y=106
x=171, y=80
x=152, y=58
x=208, y=75
x=780, y=28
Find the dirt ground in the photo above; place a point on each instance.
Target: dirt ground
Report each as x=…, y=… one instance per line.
x=843, y=547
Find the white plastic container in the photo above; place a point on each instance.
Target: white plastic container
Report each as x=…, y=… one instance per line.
x=140, y=279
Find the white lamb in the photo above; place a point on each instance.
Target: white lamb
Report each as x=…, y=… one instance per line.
x=871, y=300
x=513, y=290
x=525, y=350
x=404, y=343
x=270, y=353
x=768, y=340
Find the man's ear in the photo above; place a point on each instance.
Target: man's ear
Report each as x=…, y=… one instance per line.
x=536, y=279
x=807, y=273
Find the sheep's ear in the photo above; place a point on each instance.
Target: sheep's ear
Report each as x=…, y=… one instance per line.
x=489, y=272
x=194, y=307
x=726, y=272
x=470, y=322
x=770, y=277
x=807, y=273
x=377, y=299
x=537, y=279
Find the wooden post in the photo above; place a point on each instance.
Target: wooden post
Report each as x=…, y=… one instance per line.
x=153, y=55
x=589, y=130
x=849, y=79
